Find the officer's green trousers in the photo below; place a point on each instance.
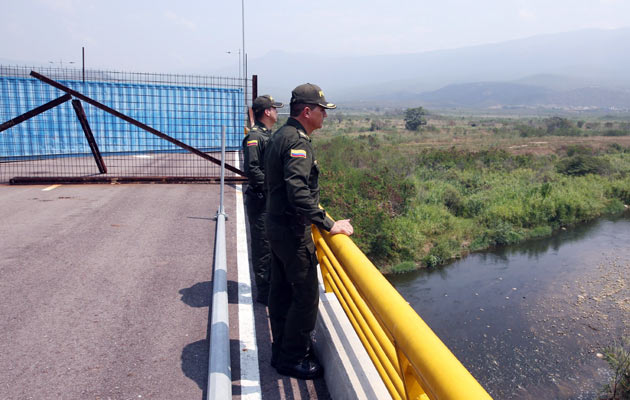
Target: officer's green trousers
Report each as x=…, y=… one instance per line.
x=294, y=296
x=260, y=251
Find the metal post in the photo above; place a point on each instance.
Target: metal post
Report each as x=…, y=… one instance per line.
x=219, y=368
x=221, y=210
x=83, y=59
x=244, y=77
x=78, y=109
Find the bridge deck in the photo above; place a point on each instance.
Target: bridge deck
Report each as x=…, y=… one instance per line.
x=106, y=294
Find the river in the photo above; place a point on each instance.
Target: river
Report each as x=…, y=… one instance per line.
x=529, y=320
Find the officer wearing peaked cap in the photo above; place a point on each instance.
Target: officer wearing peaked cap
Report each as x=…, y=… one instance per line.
x=292, y=206
x=254, y=144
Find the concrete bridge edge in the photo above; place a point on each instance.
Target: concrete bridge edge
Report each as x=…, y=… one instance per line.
x=348, y=370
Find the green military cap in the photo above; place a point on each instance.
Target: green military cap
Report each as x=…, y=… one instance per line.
x=310, y=94
x=264, y=102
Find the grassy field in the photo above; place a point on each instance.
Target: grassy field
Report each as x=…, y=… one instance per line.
x=463, y=184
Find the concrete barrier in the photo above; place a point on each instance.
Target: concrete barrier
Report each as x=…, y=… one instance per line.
x=348, y=370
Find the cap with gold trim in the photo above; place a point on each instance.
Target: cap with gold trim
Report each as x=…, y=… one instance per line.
x=264, y=102
x=309, y=93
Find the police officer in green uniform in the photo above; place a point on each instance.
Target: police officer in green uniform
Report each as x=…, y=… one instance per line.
x=265, y=115
x=292, y=206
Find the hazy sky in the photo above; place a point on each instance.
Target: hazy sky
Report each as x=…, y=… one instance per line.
x=194, y=35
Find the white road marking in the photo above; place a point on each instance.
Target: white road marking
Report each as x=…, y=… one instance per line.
x=248, y=348
x=49, y=188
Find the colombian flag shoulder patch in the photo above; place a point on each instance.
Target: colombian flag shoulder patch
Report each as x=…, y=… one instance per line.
x=252, y=143
x=298, y=153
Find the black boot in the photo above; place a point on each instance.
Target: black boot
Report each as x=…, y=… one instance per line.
x=307, y=368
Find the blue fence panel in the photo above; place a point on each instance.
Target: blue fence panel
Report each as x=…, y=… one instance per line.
x=194, y=115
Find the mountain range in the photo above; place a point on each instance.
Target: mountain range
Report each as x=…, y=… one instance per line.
x=586, y=69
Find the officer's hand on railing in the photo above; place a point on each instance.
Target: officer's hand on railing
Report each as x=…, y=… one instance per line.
x=342, y=226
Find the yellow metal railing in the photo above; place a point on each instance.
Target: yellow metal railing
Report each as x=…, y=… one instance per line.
x=412, y=361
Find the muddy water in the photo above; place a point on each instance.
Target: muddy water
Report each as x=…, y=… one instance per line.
x=529, y=320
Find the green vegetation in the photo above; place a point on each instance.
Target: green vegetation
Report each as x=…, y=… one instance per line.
x=420, y=199
x=618, y=358
x=414, y=118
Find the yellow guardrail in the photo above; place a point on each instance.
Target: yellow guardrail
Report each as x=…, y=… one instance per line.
x=412, y=361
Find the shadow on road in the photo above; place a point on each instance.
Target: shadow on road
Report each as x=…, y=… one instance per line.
x=195, y=363
x=198, y=295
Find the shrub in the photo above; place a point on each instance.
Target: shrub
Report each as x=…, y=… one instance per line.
x=503, y=233
x=621, y=191
x=453, y=200
x=377, y=125
x=618, y=358
x=472, y=207
x=616, y=132
x=560, y=127
x=576, y=149
x=616, y=148
x=540, y=232
x=614, y=206
x=580, y=165
x=529, y=131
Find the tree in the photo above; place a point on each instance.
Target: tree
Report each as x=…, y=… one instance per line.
x=557, y=124
x=414, y=118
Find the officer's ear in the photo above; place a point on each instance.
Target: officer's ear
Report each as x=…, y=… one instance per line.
x=307, y=111
x=268, y=112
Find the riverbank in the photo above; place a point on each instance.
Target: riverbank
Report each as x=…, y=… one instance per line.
x=529, y=320
x=415, y=207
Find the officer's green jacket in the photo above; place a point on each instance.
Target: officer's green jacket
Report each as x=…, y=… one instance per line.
x=253, y=151
x=293, y=177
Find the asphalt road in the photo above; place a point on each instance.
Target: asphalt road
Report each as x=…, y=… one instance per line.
x=105, y=290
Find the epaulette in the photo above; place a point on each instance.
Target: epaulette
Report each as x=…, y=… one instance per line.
x=303, y=135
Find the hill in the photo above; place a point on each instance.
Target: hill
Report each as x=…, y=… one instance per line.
x=561, y=67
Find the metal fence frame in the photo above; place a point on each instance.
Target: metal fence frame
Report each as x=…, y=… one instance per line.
x=82, y=170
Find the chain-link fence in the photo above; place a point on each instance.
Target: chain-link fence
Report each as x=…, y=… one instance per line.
x=91, y=125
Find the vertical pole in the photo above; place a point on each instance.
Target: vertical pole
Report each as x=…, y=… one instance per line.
x=83, y=58
x=254, y=87
x=244, y=77
x=222, y=169
x=78, y=109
